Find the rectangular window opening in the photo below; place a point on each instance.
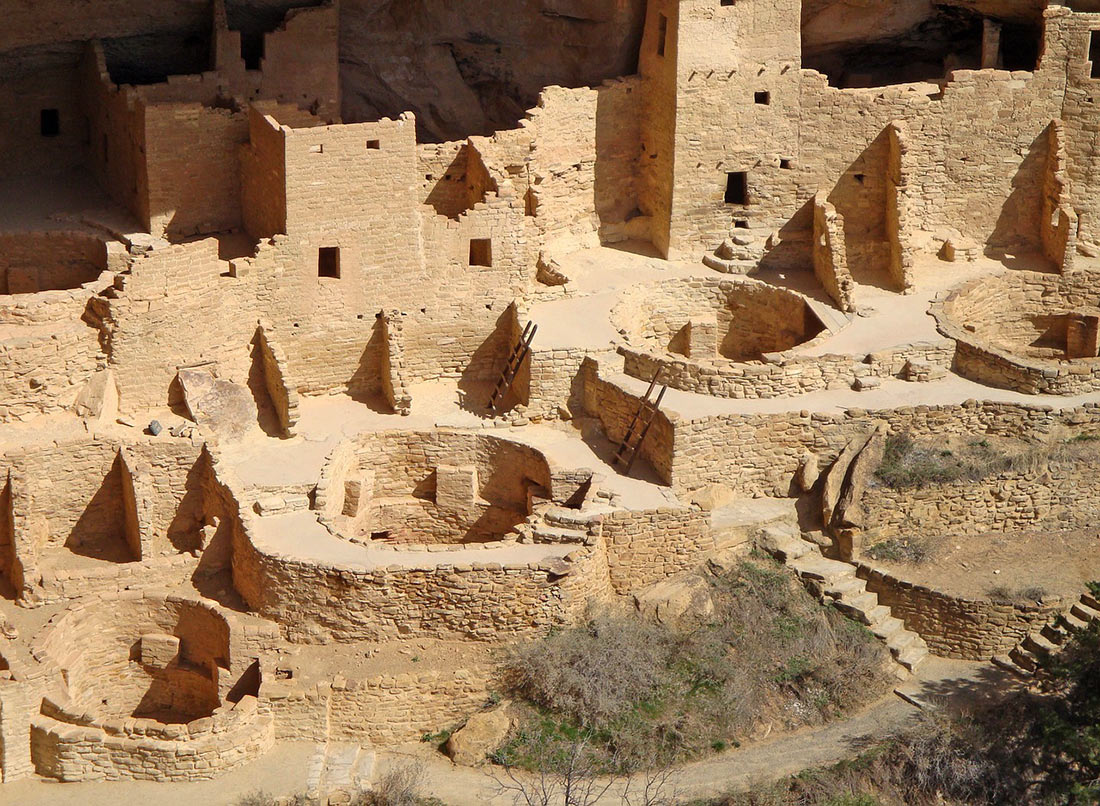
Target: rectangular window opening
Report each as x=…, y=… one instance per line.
x=741, y=223
x=728, y=2
x=1094, y=53
x=317, y=149
x=252, y=49
x=481, y=252
x=328, y=261
x=785, y=164
x=764, y=98
x=662, y=34
x=737, y=187
x=374, y=145
x=50, y=123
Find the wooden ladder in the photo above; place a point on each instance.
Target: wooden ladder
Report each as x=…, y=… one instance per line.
x=639, y=426
x=515, y=359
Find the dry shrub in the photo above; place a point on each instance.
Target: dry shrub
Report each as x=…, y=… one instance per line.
x=639, y=694
x=397, y=786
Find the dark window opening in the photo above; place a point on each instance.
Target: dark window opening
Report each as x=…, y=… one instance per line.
x=785, y=164
x=727, y=2
x=481, y=252
x=764, y=98
x=328, y=261
x=1020, y=45
x=737, y=188
x=106, y=149
x=1094, y=53
x=859, y=178
x=741, y=223
x=252, y=49
x=384, y=535
x=374, y=145
x=50, y=123
x=662, y=34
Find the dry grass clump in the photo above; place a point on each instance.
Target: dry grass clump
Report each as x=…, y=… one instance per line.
x=910, y=550
x=1004, y=594
x=635, y=693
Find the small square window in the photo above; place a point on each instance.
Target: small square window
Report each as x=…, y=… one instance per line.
x=481, y=252
x=741, y=223
x=727, y=2
x=785, y=164
x=328, y=261
x=737, y=188
x=50, y=123
x=317, y=149
x=1094, y=53
x=374, y=145
x=859, y=178
x=763, y=98
x=662, y=34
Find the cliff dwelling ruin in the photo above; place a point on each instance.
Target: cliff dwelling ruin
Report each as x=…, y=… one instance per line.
x=347, y=344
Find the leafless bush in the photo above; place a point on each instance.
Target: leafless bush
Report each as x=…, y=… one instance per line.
x=594, y=673
x=397, y=786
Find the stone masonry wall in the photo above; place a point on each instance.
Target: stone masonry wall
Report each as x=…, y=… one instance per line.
x=956, y=627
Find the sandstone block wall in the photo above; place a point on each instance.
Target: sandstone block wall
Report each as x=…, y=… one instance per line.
x=957, y=627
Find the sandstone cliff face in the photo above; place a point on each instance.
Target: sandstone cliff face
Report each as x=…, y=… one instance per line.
x=474, y=66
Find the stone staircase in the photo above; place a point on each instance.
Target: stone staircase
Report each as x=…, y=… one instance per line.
x=836, y=583
x=1025, y=657
x=558, y=524
x=337, y=766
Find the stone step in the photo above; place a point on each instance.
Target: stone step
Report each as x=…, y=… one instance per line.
x=1088, y=600
x=570, y=518
x=911, y=656
x=863, y=601
x=877, y=614
x=1005, y=662
x=1055, y=634
x=1024, y=659
x=817, y=567
x=848, y=586
x=1038, y=645
x=905, y=639
x=887, y=628
x=1084, y=612
x=1072, y=622
x=549, y=534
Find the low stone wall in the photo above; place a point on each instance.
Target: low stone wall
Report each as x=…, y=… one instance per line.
x=758, y=454
x=997, y=321
x=381, y=710
x=1061, y=494
x=232, y=736
x=783, y=374
x=954, y=626
x=158, y=572
x=481, y=601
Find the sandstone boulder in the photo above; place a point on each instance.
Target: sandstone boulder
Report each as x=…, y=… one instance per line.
x=226, y=408
x=481, y=735
x=681, y=599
